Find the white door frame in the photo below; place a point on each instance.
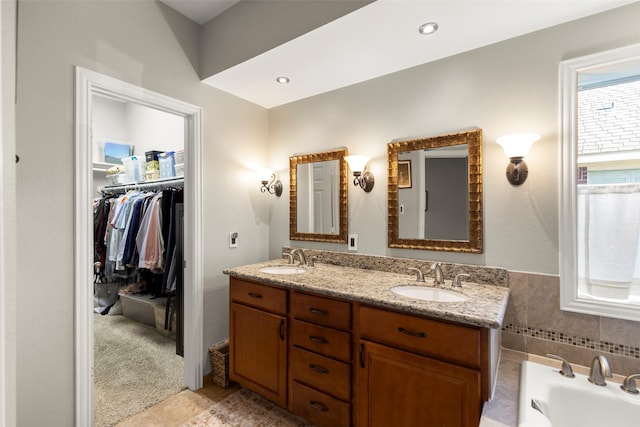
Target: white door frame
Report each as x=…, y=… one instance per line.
x=88, y=83
x=2, y=249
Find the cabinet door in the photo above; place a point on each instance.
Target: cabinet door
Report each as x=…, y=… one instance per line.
x=398, y=388
x=258, y=351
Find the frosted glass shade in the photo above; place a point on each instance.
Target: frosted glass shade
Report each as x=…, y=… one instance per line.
x=357, y=163
x=264, y=174
x=517, y=144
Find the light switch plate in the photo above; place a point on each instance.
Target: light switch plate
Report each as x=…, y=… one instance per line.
x=233, y=239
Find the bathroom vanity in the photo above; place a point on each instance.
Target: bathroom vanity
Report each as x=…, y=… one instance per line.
x=335, y=346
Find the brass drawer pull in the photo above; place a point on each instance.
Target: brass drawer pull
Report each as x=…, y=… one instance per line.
x=318, y=369
x=318, y=311
x=319, y=406
x=412, y=334
x=255, y=295
x=319, y=340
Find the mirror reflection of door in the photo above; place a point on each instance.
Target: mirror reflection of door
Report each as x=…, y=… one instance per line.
x=446, y=203
x=317, y=198
x=323, y=195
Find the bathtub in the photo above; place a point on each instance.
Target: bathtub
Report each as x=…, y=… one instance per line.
x=572, y=402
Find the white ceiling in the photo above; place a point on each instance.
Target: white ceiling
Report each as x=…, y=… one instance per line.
x=383, y=38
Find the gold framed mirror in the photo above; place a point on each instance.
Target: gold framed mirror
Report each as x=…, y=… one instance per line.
x=318, y=196
x=439, y=206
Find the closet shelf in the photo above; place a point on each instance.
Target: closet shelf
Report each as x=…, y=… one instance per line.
x=156, y=184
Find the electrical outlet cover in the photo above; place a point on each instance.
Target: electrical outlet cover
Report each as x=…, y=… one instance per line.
x=353, y=242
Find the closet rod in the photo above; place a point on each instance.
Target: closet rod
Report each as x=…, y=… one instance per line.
x=152, y=185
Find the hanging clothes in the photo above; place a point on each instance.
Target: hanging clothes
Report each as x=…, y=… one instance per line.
x=135, y=232
x=171, y=199
x=149, y=240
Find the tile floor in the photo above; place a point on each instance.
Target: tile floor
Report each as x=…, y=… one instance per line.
x=180, y=408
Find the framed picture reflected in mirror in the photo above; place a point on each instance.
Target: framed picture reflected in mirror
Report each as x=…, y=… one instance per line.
x=404, y=173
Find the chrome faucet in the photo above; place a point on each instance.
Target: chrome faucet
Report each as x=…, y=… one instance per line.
x=599, y=370
x=629, y=384
x=419, y=275
x=300, y=253
x=289, y=257
x=439, y=280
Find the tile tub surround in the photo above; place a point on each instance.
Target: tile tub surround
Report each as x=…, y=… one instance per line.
x=535, y=324
x=485, y=306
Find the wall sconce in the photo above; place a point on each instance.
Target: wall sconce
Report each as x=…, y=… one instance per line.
x=269, y=182
x=363, y=179
x=516, y=146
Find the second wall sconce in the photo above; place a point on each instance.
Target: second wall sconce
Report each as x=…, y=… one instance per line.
x=516, y=146
x=269, y=182
x=363, y=179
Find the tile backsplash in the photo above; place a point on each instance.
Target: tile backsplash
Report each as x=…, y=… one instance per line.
x=535, y=324
x=479, y=274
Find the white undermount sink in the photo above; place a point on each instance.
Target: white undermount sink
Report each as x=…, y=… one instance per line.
x=282, y=269
x=428, y=293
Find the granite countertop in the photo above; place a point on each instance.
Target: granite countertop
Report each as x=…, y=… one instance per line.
x=485, y=305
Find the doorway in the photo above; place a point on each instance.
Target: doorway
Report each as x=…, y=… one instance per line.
x=89, y=84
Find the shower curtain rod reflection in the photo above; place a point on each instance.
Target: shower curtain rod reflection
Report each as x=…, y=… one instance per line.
x=151, y=185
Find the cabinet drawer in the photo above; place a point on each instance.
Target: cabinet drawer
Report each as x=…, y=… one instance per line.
x=317, y=407
x=324, y=311
x=323, y=373
x=256, y=295
x=327, y=341
x=413, y=333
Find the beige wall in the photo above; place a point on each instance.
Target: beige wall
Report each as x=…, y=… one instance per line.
x=503, y=88
x=147, y=44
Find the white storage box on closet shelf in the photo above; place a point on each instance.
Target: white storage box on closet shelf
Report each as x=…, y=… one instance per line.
x=134, y=168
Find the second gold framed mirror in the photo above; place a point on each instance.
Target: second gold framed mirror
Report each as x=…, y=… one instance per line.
x=435, y=193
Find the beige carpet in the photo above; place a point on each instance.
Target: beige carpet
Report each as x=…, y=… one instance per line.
x=246, y=409
x=134, y=368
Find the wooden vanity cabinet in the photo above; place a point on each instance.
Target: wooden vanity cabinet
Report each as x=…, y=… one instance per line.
x=258, y=327
x=320, y=368
x=339, y=363
x=415, y=371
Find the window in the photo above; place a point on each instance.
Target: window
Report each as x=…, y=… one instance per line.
x=600, y=184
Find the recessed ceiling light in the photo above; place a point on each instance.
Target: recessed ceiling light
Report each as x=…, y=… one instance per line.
x=428, y=28
x=282, y=80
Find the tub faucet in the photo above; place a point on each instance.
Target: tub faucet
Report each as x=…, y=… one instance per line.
x=439, y=280
x=566, y=369
x=599, y=370
x=300, y=253
x=629, y=384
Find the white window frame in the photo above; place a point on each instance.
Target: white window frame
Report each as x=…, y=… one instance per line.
x=567, y=190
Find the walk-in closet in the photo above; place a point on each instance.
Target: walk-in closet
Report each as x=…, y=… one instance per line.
x=138, y=235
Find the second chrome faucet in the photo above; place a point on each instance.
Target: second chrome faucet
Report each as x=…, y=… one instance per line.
x=599, y=370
